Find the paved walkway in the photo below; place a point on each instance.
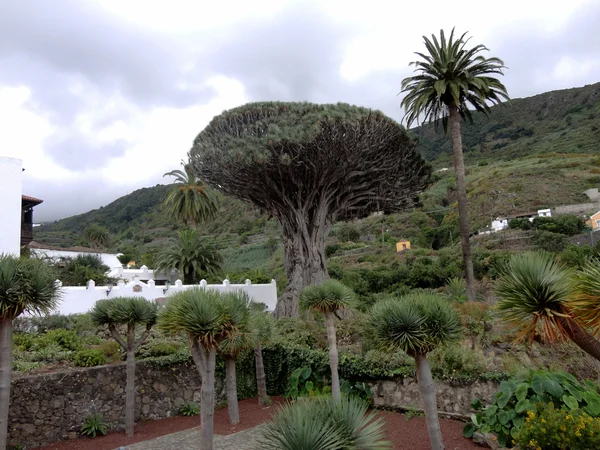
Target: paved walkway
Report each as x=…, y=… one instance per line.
x=188, y=439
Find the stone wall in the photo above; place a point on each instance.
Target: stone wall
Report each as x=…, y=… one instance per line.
x=454, y=398
x=48, y=407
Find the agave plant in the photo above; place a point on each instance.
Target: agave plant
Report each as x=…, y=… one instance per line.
x=325, y=424
x=416, y=324
x=327, y=298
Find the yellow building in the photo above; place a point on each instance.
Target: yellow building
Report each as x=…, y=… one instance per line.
x=594, y=221
x=402, y=246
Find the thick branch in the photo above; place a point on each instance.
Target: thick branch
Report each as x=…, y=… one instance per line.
x=113, y=332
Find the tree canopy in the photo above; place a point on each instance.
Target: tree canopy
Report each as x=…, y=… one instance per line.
x=309, y=165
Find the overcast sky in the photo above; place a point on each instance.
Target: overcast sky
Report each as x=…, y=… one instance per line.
x=100, y=98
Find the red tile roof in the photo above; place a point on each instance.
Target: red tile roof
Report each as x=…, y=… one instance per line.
x=27, y=198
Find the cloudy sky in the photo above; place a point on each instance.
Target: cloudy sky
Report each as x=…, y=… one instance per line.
x=102, y=97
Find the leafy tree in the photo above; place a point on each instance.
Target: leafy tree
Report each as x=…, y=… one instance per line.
x=96, y=236
x=520, y=224
x=416, y=324
x=549, y=241
x=79, y=270
x=190, y=200
x=261, y=324
x=236, y=307
x=308, y=166
x=128, y=311
x=26, y=285
x=537, y=295
x=190, y=256
x=324, y=424
x=452, y=79
x=328, y=298
x=200, y=314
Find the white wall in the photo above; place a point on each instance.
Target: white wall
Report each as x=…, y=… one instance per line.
x=143, y=273
x=107, y=258
x=10, y=205
x=80, y=299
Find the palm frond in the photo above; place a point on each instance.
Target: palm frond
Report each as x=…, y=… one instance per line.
x=449, y=74
x=585, y=302
x=124, y=310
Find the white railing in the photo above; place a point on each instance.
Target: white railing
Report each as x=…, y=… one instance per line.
x=80, y=299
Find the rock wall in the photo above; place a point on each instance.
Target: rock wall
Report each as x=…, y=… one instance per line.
x=452, y=398
x=48, y=407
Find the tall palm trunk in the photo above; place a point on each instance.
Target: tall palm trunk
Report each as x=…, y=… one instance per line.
x=580, y=337
x=130, y=387
x=6, y=357
x=207, y=404
x=461, y=193
x=231, y=387
x=427, y=389
x=261, y=381
x=333, y=356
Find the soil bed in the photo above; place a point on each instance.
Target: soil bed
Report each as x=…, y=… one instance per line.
x=405, y=434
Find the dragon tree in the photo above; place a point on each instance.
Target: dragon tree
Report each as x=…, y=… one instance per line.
x=309, y=166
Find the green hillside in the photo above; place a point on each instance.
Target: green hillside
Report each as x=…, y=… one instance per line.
x=564, y=121
x=541, y=152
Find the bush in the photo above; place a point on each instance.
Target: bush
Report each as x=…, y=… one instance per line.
x=163, y=348
x=516, y=397
x=89, y=358
x=67, y=339
x=189, y=409
x=53, y=322
x=51, y=353
x=331, y=250
x=24, y=341
x=110, y=349
x=553, y=428
x=458, y=363
x=551, y=242
x=520, y=224
x=94, y=425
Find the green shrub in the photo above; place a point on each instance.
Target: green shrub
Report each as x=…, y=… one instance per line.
x=51, y=353
x=24, y=341
x=551, y=428
x=25, y=366
x=508, y=411
x=189, y=409
x=94, y=425
x=331, y=250
x=53, y=322
x=358, y=389
x=89, y=358
x=302, y=383
x=67, y=339
x=110, y=349
x=520, y=224
x=163, y=349
x=551, y=242
x=457, y=362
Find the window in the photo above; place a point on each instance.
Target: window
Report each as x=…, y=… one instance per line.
x=597, y=223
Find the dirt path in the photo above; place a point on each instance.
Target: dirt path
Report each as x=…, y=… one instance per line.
x=179, y=433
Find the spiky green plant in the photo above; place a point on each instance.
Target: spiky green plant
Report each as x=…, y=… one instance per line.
x=586, y=298
x=190, y=200
x=191, y=256
x=128, y=311
x=328, y=298
x=416, y=324
x=456, y=289
x=452, y=81
x=325, y=424
x=201, y=315
x=26, y=285
x=538, y=295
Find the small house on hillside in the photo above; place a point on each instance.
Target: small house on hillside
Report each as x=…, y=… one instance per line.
x=402, y=246
x=594, y=221
x=501, y=223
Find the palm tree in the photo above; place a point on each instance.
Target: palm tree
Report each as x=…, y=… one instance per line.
x=327, y=298
x=190, y=200
x=261, y=324
x=96, y=236
x=26, y=285
x=416, y=324
x=451, y=79
x=190, y=256
x=239, y=339
x=538, y=295
x=325, y=424
x=129, y=311
x=200, y=314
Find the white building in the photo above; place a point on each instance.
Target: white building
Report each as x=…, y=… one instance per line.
x=42, y=250
x=501, y=223
x=10, y=200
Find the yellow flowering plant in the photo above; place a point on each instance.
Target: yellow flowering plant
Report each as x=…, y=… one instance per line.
x=552, y=428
